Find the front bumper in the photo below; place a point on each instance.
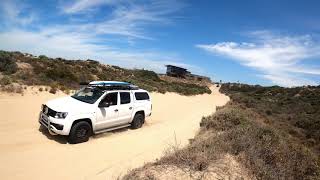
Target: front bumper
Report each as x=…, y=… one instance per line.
x=52, y=127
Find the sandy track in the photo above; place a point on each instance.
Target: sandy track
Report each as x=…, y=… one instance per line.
x=27, y=153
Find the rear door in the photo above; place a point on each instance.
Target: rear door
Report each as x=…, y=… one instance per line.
x=125, y=107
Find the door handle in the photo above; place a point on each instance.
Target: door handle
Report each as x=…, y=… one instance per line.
x=116, y=110
x=130, y=108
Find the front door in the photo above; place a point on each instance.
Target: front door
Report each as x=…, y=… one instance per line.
x=107, y=117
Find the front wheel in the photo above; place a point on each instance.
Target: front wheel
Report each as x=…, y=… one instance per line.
x=137, y=121
x=80, y=132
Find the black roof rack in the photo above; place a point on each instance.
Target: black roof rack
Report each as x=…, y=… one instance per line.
x=115, y=87
x=83, y=83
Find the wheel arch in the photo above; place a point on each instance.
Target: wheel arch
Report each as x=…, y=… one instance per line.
x=141, y=112
x=83, y=119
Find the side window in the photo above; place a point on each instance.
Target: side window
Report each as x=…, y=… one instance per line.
x=141, y=96
x=111, y=98
x=125, y=97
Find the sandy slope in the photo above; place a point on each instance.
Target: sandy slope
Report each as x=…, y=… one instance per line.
x=27, y=153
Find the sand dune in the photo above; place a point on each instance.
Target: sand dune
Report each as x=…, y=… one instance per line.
x=27, y=153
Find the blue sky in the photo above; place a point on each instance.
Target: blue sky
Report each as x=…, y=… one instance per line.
x=274, y=42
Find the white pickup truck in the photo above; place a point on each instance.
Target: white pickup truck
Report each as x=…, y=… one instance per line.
x=99, y=107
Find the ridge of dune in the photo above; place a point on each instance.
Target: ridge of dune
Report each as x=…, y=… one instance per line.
x=31, y=154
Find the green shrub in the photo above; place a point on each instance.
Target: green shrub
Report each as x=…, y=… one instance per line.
x=146, y=75
x=53, y=91
x=53, y=88
x=6, y=80
x=43, y=57
x=7, y=63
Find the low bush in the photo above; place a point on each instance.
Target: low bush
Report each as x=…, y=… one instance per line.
x=53, y=91
x=147, y=75
x=6, y=81
x=7, y=63
x=19, y=89
x=13, y=88
x=43, y=57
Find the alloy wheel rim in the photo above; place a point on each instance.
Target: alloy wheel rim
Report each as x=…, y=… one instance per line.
x=82, y=132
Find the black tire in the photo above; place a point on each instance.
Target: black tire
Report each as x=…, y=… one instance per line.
x=137, y=121
x=80, y=132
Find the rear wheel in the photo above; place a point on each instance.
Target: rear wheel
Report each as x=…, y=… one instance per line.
x=80, y=132
x=137, y=121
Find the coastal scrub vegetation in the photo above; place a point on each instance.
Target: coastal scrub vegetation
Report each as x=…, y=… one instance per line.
x=16, y=67
x=273, y=132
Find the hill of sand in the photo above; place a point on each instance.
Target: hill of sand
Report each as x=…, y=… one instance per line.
x=28, y=153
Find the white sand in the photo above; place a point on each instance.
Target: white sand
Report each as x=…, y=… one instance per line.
x=26, y=153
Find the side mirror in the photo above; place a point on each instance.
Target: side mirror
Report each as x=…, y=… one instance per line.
x=103, y=104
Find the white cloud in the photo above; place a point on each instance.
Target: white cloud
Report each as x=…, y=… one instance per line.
x=125, y=18
x=91, y=39
x=287, y=80
x=13, y=12
x=279, y=58
x=57, y=43
x=82, y=6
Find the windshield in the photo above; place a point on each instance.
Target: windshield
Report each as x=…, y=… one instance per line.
x=88, y=94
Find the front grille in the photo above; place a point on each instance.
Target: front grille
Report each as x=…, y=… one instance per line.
x=44, y=122
x=48, y=111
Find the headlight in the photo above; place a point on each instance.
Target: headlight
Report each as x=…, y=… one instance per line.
x=61, y=115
